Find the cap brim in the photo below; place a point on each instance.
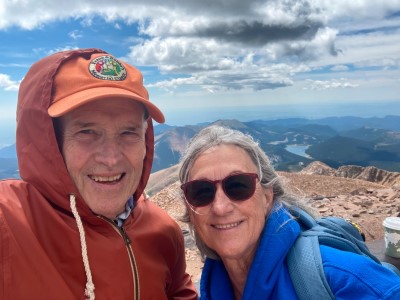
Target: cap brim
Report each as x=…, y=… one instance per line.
x=71, y=102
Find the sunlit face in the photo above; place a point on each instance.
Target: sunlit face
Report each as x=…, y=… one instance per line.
x=232, y=229
x=103, y=145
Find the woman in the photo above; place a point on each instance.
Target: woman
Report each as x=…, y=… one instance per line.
x=238, y=210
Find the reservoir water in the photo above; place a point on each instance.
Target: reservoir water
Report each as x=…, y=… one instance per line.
x=298, y=150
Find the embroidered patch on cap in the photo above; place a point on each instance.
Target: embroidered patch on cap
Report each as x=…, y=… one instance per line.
x=107, y=68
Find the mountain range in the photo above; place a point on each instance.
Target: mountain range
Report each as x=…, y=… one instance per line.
x=291, y=143
x=333, y=141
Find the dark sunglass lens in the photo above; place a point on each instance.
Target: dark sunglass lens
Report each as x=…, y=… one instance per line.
x=200, y=192
x=239, y=187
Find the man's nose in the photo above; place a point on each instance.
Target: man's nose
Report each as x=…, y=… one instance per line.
x=108, y=152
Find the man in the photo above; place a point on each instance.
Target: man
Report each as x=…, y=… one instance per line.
x=77, y=224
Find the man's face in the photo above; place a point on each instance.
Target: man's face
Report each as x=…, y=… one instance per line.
x=103, y=145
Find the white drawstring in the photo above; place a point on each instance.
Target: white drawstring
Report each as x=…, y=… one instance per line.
x=89, y=290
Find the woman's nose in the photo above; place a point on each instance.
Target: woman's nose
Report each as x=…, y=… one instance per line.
x=221, y=204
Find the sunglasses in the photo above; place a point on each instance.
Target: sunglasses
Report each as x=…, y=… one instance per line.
x=238, y=187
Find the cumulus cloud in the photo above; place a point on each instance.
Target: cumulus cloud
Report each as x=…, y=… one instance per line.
x=7, y=84
x=330, y=84
x=253, y=78
x=215, y=82
x=236, y=44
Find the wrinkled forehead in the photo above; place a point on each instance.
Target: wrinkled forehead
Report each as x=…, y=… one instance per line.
x=118, y=113
x=111, y=106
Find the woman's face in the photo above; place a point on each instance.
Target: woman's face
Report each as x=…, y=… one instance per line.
x=232, y=229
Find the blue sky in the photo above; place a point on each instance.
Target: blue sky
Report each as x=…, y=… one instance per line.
x=287, y=55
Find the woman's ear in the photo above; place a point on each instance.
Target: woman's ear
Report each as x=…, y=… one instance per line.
x=269, y=199
x=269, y=194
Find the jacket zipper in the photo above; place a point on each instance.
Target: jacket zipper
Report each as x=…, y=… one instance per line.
x=121, y=231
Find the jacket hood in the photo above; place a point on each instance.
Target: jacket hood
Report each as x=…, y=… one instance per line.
x=39, y=158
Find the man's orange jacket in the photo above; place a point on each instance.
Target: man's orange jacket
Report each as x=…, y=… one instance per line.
x=40, y=248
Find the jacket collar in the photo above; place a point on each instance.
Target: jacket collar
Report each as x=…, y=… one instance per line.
x=279, y=234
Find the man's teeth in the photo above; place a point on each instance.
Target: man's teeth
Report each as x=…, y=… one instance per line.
x=227, y=226
x=106, y=178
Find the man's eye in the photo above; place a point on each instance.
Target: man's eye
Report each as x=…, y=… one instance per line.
x=130, y=135
x=87, y=134
x=137, y=133
x=86, y=131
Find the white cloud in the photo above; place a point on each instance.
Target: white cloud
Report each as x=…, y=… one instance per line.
x=174, y=13
x=227, y=64
x=49, y=52
x=242, y=76
x=217, y=45
x=339, y=68
x=330, y=84
x=185, y=54
x=361, y=9
x=75, y=34
x=7, y=84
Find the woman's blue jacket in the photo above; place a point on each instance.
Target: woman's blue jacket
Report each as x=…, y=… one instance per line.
x=350, y=276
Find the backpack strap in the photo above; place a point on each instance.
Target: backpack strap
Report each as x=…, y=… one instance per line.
x=391, y=267
x=304, y=259
x=306, y=271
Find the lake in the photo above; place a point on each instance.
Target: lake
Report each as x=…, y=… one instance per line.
x=298, y=150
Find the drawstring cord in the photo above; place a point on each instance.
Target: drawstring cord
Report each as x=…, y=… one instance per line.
x=89, y=290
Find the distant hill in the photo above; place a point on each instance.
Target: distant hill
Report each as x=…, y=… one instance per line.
x=169, y=144
x=8, y=168
x=341, y=123
x=316, y=130
x=370, y=173
x=335, y=141
x=8, y=152
x=8, y=162
x=348, y=123
x=380, y=136
x=162, y=178
x=339, y=150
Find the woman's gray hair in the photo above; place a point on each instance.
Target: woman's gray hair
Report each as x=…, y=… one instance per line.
x=214, y=136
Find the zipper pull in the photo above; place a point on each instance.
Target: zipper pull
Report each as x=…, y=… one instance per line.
x=125, y=236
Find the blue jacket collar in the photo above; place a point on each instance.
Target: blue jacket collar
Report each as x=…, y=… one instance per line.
x=278, y=236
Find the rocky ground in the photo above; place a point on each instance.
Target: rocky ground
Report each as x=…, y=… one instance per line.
x=364, y=202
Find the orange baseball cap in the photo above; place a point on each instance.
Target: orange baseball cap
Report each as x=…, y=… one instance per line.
x=83, y=79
